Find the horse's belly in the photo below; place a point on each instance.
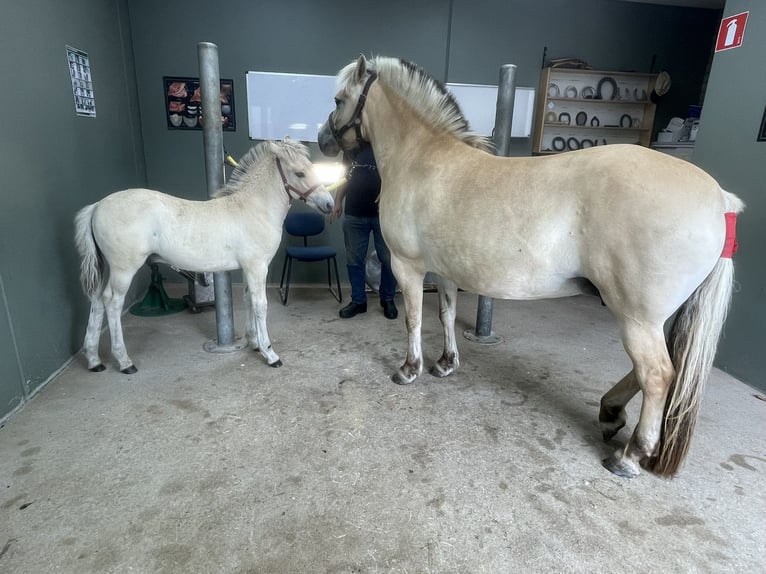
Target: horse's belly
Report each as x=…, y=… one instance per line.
x=540, y=288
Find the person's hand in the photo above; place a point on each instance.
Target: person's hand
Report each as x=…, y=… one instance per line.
x=336, y=212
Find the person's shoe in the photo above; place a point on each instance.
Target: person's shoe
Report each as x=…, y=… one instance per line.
x=389, y=309
x=352, y=309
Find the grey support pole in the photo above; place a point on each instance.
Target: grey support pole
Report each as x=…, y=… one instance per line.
x=506, y=93
x=212, y=137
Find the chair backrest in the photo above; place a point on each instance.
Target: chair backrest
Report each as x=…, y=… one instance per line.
x=304, y=223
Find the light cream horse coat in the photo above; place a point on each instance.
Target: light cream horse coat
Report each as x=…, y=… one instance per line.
x=240, y=228
x=645, y=229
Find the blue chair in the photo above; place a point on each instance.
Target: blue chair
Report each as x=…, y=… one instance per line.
x=305, y=224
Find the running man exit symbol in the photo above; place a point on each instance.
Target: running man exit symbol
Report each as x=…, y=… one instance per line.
x=732, y=32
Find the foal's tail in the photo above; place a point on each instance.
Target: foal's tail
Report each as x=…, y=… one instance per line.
x=92, y=264
x=692, y=343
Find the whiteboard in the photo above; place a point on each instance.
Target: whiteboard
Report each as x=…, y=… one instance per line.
x=479, y=105
x=296, y=105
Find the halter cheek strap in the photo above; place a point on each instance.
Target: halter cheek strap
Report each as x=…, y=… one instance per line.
x=302, y=195
x=355, y=121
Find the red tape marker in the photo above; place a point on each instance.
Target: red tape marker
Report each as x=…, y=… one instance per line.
x=730, y=245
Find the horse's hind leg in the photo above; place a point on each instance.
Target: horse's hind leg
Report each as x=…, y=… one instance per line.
x=449, y=361
x=257, y=333
x=612, y=415
x=114, y=300
x=410, y=279
x=93, y=334
x=653, y=371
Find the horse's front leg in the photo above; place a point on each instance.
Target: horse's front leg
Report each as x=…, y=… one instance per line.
x=257, y=333
x=450, y=359
x=93, y=334
x=114, y=300
x=410, y=279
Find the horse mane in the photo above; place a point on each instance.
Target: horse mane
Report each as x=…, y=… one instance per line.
x=249, y=166
x=426, y=95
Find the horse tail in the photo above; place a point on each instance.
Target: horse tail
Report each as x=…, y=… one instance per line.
x=692, y=342
x=92, y=260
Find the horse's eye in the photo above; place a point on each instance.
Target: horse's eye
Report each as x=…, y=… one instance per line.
x=337, y=102
x=300, y=174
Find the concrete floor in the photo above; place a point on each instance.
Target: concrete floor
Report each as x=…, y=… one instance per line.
x=206, y=463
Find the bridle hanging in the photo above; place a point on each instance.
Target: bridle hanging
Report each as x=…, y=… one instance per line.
x=355, y=121
x=302, y=195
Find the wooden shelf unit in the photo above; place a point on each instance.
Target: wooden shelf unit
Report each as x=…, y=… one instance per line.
x=570, y=114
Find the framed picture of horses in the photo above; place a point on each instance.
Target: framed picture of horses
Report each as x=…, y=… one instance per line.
x=183, y=103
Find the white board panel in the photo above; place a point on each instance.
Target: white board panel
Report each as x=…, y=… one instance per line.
x=294, y=105
x=479, y=103
x=297, y=105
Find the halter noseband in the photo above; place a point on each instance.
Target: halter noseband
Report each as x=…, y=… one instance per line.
x=302, y=195
x=355, y=120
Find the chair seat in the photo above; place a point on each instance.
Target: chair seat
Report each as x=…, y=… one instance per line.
x=317, y=253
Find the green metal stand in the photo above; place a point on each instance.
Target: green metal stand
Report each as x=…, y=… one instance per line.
x=156, y=301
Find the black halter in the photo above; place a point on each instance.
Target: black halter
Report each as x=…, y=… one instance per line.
x=302, y=195
x=355, y=121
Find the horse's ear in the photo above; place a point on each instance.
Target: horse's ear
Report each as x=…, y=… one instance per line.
x=287, y=139
x=361, y=68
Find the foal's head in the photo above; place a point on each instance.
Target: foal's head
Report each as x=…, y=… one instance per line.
x=286, y=161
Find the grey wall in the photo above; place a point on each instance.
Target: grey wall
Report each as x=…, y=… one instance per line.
x=457, y=41
x=54, y=162
x=727, y=148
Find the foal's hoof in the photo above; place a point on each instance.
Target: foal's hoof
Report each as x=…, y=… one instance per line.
x=98, y=368
x=130, y=370
x=276, y=364
x=619, y=467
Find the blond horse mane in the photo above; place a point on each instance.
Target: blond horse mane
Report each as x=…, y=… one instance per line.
x=246, y=173
x=425, y=94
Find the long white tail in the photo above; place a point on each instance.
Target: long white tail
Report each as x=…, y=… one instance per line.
x=92, y=263
x=692, y=342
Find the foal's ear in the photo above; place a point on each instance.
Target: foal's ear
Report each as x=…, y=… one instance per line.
x=361, y=68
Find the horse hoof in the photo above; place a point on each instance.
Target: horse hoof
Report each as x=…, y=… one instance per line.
x=130, y=370
x=438, y=371
x=618, y=467
x=400, y=379
x=276, y=364
x=98, y=368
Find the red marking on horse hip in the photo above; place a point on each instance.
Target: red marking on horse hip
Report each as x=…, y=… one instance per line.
x=730, y=245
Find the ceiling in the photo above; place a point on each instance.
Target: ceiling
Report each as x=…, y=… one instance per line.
x=716, y=4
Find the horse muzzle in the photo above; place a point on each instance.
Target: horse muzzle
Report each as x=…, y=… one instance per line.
x=328, y=145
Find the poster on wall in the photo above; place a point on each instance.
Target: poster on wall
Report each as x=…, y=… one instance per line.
x=183, y=104
x=82, y=83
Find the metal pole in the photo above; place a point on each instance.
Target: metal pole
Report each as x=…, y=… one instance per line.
x=212, y=138
x=506, y=94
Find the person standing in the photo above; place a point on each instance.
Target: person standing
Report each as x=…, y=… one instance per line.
x=361, y=193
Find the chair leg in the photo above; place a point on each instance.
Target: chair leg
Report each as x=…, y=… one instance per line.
x=284, y=289
x=339, y=295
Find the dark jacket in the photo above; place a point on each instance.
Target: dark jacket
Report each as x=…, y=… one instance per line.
x=363, y=186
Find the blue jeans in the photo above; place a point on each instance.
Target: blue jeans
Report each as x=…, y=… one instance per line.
x=356, y=231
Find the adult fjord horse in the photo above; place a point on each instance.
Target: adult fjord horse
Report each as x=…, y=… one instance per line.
x=652, y=233
x=239, y=228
